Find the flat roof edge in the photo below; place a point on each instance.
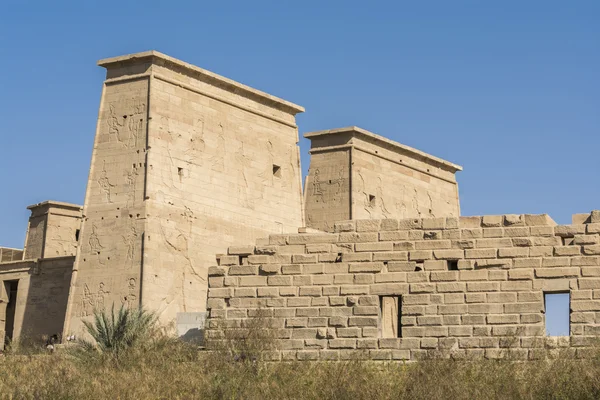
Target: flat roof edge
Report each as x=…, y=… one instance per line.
x=356, y=130
x=240, y=88
x=61, y=204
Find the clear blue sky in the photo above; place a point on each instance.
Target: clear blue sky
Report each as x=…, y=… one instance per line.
x=510, y=90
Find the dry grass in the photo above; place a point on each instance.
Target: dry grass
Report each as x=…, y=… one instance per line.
x=176, y=371
x=235, y=369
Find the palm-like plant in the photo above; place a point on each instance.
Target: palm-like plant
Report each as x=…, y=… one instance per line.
x=116, y=333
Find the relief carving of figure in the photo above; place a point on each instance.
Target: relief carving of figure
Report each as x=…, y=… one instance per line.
x=129, y=300
x=243, y=163
x=317, y=189
x=218, y=160
x=94, y=241
x=126, y=126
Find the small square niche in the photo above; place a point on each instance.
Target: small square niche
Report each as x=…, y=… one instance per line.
x=276, y=171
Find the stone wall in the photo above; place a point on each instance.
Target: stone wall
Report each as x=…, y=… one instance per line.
x=356, y=174
x=185, y=163
x=468, y=287
x=42, y=292
x=8, y=254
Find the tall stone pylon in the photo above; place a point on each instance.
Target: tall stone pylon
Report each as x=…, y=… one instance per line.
x=185, y=163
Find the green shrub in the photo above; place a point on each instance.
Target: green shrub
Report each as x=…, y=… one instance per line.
x=116, y=333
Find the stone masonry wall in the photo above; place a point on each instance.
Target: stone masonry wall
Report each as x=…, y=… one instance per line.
x=469, y=287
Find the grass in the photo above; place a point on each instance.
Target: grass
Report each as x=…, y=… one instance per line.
x=160, y=367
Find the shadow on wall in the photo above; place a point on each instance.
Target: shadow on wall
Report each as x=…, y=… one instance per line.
x=47, y=297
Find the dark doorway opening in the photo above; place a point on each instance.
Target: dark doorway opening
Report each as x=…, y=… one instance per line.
x=9, y=326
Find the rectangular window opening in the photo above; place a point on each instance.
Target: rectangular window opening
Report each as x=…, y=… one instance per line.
x=557, y=308
x=276, y=171
x=390, y=316
x=77, y=235
x=452, y=265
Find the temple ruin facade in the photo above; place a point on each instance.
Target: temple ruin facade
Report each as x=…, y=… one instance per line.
x=195, y=209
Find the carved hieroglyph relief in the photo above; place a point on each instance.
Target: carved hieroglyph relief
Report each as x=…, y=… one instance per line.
x=130, y=299
x=126, y=121
x=217, y=160
x=94, y=241
x=130, y=241
x=373, y=204
x=105, y=184
x=380, y=200
x=328, y=190
x=93, y=300
x=243, y=165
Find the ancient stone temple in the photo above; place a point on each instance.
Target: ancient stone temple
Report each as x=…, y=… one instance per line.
x=194, y=209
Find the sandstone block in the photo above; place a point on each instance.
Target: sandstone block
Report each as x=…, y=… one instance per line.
x=520, y=274
x=513, y=220
x=522, y=242
x=366, y=267
x=389, y=288
x=475, y=297
x=417, y=277
x=393, y=236
x=313, y=291
x=492, y=221
x=483, y=286
x=368, y=225
x=466, y=264
x=450, y=287
x=569, y=230
x=298, y=302
x=409, y=224
x=353, y=332
x=216, y=271
x=433, y=244
x=304, y=258
x=391, y=256
x=538, y=219
x=593, y=228
x=362, y=321
x=484, y=309
x=390, y=277
x=480, y=253
x=471, y=233
x=556, y=272
x=496, y=319
x=220, y=292
x=452, y=309
x=591, y=250
x=493, y=232
x=451, y=234
x=317, y=322
x=344, y=226
x=589, y=283
x=241, y=250
x=374, y=246
x=435, y=265
x=357, y=257
x=437, y=276
x=513, y=252
x=453, y=254
x=501, y=297
x=527, y=263
x=469, y=222
x=354, y=237
x=422, y=287
x=420, y=255
x=291, y=269
x=521, y=231
x=354, y=289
